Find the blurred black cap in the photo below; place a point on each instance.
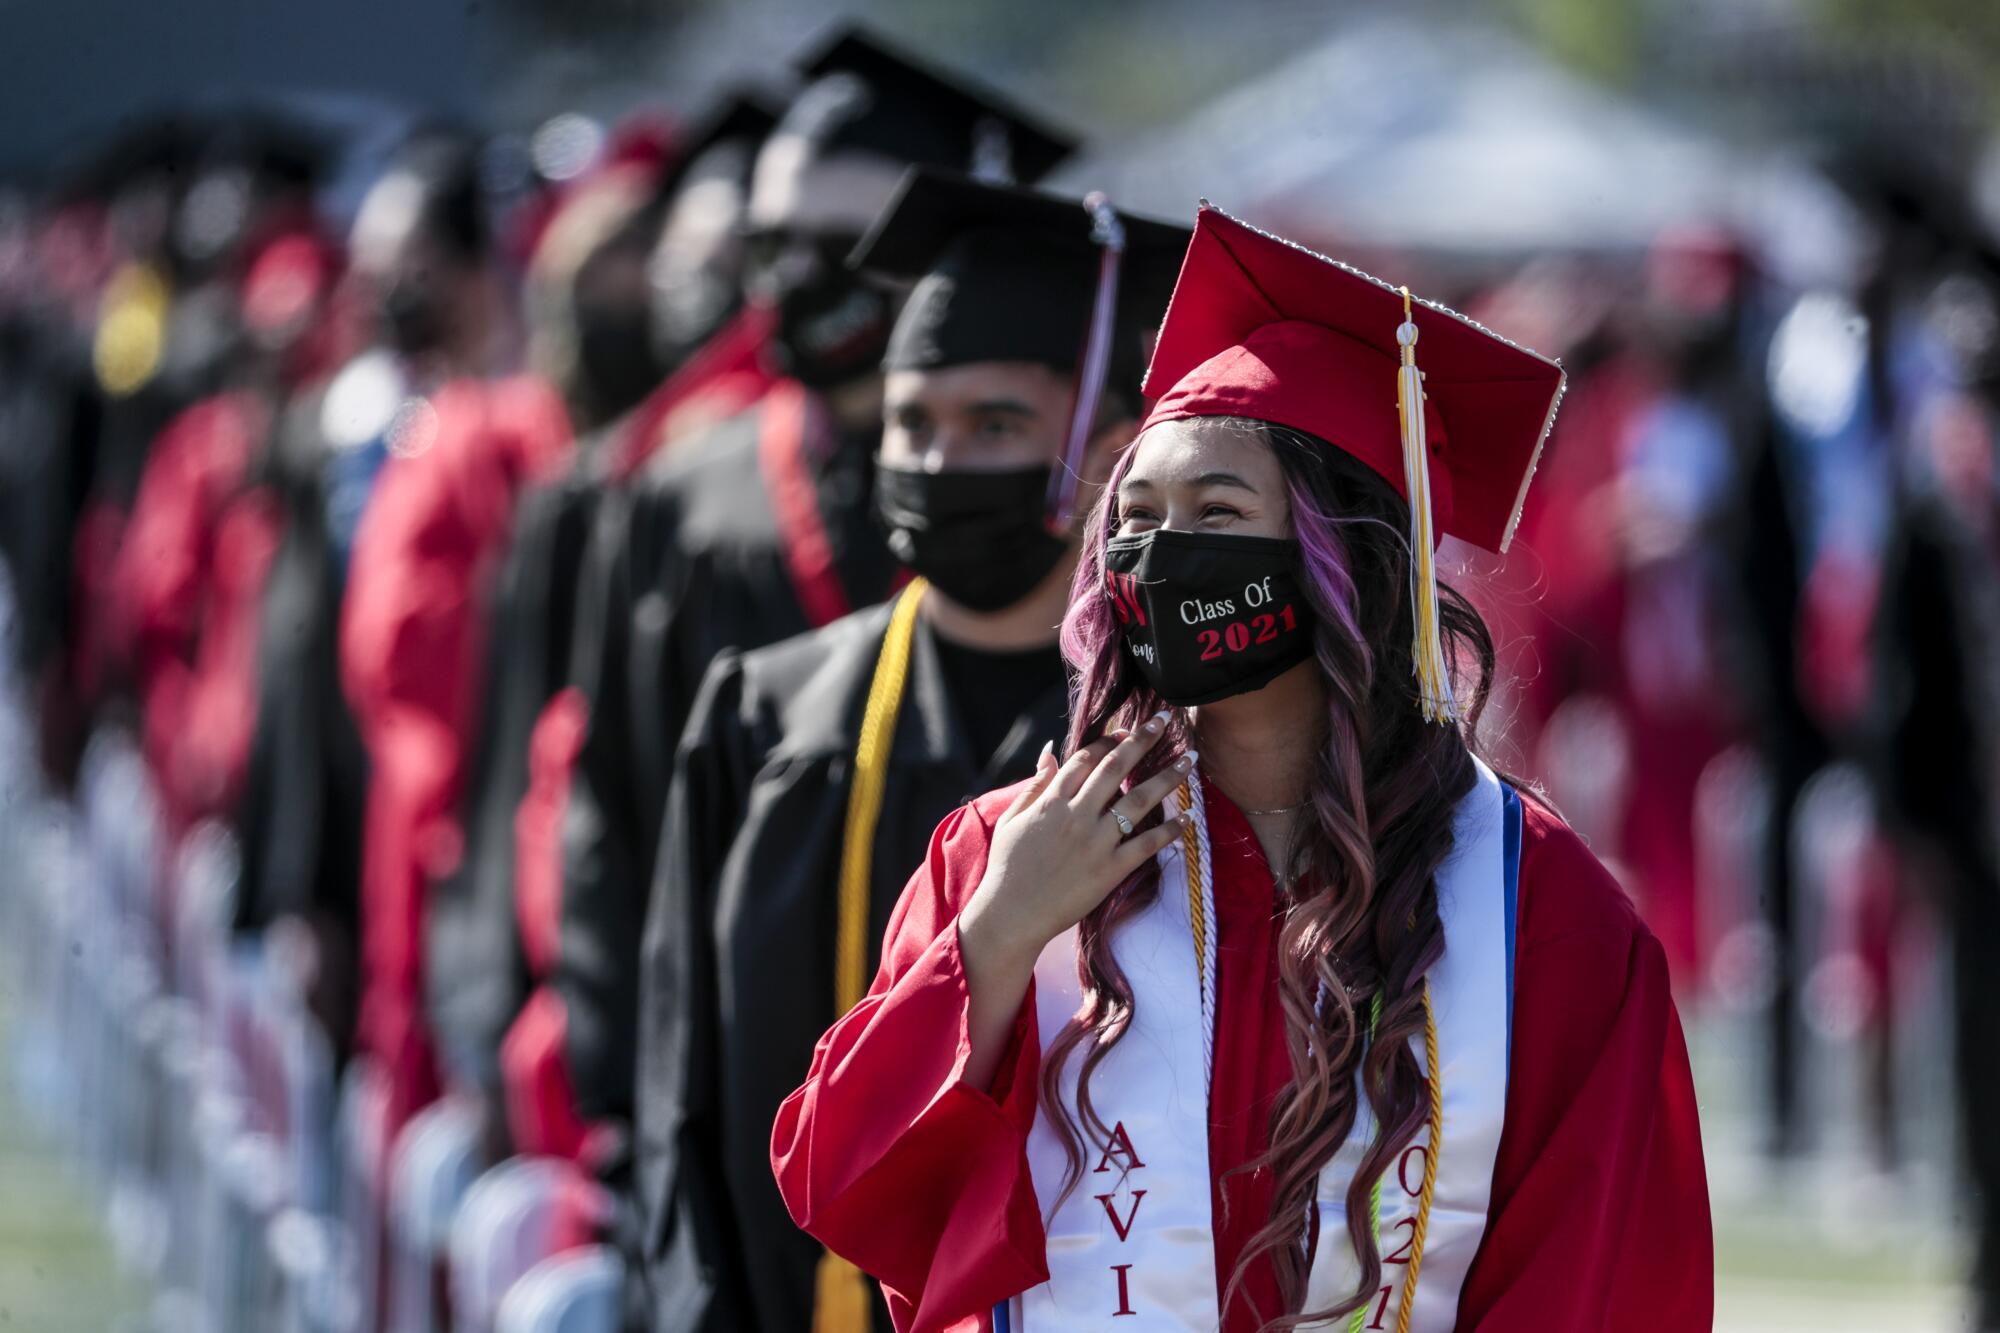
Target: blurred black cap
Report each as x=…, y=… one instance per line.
x=866, y=95
x=1007, y=273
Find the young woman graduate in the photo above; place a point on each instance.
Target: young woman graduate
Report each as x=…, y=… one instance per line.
x=1271, y=1005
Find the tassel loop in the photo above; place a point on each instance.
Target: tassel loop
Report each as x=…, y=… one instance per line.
x=1107, y=233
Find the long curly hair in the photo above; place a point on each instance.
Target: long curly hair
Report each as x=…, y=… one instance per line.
x=1361, y=919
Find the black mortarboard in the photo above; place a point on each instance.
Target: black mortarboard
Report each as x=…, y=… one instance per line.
x=867, y=96
x=740, y=114
x=1005, y=273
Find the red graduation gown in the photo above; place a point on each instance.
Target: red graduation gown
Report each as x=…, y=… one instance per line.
x=1599, y=1214
x=409, y=648
x=190, y=575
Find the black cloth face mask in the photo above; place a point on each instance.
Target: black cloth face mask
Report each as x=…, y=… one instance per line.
x=1208, y=615
x=832, y=323
x=615, y=363
x=412, y=317
x=979, y=537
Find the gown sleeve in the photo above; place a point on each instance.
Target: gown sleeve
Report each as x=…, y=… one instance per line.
x=690, y=1234
x=475, y=975
x=642, y=651
x=301, y=817
x=164, y=546
x=602, y=893
x=886, y=1154
x=1600, y=1214
x=165, y=581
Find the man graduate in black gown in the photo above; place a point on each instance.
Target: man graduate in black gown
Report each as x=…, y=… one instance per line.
x=758, y=528
x=813, y=772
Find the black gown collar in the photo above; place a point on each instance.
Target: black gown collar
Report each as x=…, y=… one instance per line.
x=930, y=729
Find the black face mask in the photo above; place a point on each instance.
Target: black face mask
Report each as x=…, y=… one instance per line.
x=615, y=362
x=978, y=536
x=412, y=318
x=1207, y=615
x=692, y=309
x=832, y=328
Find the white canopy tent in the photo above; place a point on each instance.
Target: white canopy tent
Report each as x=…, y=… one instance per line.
x=1455, y=138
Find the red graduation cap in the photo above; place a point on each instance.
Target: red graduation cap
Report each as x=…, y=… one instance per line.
x=1261, y=328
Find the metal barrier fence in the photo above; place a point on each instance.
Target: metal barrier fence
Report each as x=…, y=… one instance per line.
x=178, y=1067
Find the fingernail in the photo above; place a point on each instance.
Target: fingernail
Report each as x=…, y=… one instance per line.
x=1184, y=763
x=1048, y=749
x=1162, y=716
x=1152, y=727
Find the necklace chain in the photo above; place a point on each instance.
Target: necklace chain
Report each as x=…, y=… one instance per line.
x=1280, y=810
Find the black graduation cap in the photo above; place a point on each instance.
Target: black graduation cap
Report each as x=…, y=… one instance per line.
x=868, y=96
x=741, y=113
x=1006, y=273
x=721, y=139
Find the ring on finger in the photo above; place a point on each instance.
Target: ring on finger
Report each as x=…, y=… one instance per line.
x=1125, y=825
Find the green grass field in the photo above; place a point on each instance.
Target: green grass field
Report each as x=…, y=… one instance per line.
x=57, y=1272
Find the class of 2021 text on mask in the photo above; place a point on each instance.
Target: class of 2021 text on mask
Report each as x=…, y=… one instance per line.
x=1208, y=615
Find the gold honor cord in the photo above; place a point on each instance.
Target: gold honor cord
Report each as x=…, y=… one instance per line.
x=840, y=1298
x=1191, y=857
x=1431, y=1150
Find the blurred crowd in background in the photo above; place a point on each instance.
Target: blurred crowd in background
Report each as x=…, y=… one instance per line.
x=281, y=373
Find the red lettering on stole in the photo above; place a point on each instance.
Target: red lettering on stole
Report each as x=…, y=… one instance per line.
x=1422, y=1153
x=1121, y=1143
x=1121, y=1149
x=1124, y=1295
x=1124, y=1228
x=1402, y=1254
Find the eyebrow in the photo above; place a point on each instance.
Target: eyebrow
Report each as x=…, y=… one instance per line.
x=1224, y=479
x=1010, y=406
x=1205, y=479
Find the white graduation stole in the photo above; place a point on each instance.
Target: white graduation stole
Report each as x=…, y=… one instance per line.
x=1134, y=1237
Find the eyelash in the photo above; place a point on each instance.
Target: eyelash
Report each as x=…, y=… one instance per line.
x=1127, y=515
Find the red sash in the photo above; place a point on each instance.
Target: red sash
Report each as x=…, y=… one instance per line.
x=781, y=454
x=724, y=376
x=541, y=1103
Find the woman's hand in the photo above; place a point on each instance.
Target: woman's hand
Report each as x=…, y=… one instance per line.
x=1057, y=853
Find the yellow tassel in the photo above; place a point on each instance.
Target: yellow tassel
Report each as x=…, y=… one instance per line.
x=1432, y=671
x=840, y=1297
